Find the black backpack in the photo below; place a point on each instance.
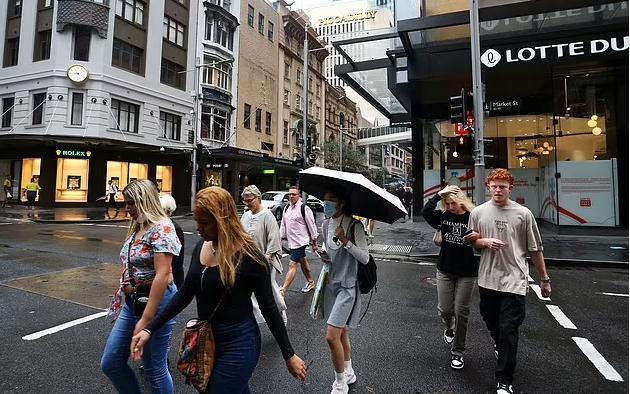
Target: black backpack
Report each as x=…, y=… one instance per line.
x=366, y=273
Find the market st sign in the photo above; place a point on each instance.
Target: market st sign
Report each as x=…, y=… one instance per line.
x=491, y=57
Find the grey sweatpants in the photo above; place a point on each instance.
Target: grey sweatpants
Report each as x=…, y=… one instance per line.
x=454, y=293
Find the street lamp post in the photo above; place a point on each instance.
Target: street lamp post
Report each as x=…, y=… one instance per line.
x=305, y=104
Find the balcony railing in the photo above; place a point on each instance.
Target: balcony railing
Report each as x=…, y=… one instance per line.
x=89, y=13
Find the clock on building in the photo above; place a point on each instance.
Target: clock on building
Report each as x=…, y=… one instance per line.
x=78, y=73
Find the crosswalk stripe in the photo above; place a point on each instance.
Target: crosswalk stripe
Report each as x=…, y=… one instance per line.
x=614, y=294
x=63, y=326
x=597, y=359
x=561, y=318
x=536, y=289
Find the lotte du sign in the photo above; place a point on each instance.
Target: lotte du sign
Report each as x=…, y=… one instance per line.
x=491, y=57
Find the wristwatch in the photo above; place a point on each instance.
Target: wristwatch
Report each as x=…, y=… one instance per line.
x=548, y=280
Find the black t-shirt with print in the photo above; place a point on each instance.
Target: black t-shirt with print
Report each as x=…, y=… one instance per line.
x=455, y=256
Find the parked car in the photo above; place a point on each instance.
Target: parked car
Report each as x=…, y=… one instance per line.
x=275, y=201
x=315, y=204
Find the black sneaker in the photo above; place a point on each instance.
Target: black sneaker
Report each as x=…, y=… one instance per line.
x=503, y=388
x=449, y=336
x=457, y=362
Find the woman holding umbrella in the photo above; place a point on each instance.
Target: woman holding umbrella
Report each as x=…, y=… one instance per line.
x=342, y=304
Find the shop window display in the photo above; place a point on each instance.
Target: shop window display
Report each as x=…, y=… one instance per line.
x=164, y=179
x=30, y=169
x=72, y=180
x=121, y=173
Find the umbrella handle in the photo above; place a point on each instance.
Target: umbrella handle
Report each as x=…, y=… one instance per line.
x=335, y=239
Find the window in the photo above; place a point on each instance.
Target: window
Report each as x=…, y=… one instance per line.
x=258, y=126
x=318, y=112
x=173, y=31
x=298, y=101
x=214, y=123
x=318, y=90
x=126, y=115
x=287, y=71
x=268, y=123
x=247, y=113
x=217, y=74
x=209, y=27
x=171, y=124
x=250, y=15
x=287, y=97
x=266, y=146
x=270, y=31
x=225, y=4
x=42, y=45
x=285, y=133
x=48, y=3
x=299, y=77
x=172, y=74
x=222, y=35
x=131, y=10
x=76, y=114
x=82, y=37
x=261, y=23
x=17, y=8
x=310, y=84
x=126, y=56
x=39, y=108
x=7, y=111
x=11, y=52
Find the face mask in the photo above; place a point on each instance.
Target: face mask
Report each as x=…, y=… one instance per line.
x=330, y=208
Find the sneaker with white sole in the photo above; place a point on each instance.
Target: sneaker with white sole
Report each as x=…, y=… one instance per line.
x=449, y=336
x=457, y=362
x=308, y=287
x=350, y=377
x=503, y=388
x=339, y=388
x=496, y=352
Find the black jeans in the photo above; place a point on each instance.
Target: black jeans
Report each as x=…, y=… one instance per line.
x=503, y=313
x=112, y=201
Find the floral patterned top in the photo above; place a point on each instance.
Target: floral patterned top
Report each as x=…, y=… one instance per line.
x=160, y=238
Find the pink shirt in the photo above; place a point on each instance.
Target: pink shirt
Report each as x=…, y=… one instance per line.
x=293, y=226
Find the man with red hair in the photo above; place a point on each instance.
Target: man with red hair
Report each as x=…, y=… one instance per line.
x=506, y=232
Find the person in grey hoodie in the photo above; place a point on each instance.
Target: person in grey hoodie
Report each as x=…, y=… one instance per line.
x=261, y=224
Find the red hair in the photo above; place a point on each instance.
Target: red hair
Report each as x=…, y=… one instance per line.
x=500, y=174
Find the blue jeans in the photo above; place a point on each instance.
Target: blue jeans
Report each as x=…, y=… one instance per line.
x=116, y=354
x=238, y=349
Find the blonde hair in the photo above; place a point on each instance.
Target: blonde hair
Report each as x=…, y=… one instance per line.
x=233, y=241
x=460, y=198
x=147, y=201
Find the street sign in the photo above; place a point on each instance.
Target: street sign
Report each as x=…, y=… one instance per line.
x=503, y=106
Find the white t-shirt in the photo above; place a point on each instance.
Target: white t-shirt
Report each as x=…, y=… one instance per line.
x=506, y=270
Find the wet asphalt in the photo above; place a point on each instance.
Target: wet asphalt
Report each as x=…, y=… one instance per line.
x=51, y=274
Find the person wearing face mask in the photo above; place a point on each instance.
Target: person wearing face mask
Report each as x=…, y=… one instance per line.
x=457, y=268
x=342, y=303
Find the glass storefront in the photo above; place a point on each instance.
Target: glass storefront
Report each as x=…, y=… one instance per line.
x=31, y=169
x=164, y=179
x=121, y=173
x=72, y=180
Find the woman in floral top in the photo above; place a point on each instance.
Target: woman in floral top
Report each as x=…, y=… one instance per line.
x=146, y=258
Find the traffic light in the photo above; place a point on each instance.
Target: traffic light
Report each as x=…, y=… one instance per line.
x=464, y=145
x=460, y=106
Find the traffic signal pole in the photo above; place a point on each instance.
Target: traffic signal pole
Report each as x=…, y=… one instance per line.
x=475, y=55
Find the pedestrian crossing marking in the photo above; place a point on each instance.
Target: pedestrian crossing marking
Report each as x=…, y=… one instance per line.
x=394, y=249
x=597, y=359
x=561, y=318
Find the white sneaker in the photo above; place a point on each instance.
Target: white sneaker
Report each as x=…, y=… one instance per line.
x=350, y=376
x=339, y=388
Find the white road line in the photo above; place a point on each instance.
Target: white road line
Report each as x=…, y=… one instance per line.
x=597, y=359
x=52, y=330
x=189, y=232
x=536, y=289
x=561, y=318
x=614, y=294
x=284, y=255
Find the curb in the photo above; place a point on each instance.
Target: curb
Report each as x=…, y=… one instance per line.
x=52, y=221
x=554, y=262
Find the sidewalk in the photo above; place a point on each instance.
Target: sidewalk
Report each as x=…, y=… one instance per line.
x=588, y=246
x=19, y=213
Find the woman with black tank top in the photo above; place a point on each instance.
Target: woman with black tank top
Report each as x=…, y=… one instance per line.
x=226, y=268
x=457, y=268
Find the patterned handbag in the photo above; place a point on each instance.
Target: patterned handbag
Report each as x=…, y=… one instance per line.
x=197, y=353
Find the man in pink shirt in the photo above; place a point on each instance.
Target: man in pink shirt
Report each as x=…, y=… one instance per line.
x=299, y=229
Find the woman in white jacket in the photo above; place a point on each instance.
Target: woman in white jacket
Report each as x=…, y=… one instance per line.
x=261, y=224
